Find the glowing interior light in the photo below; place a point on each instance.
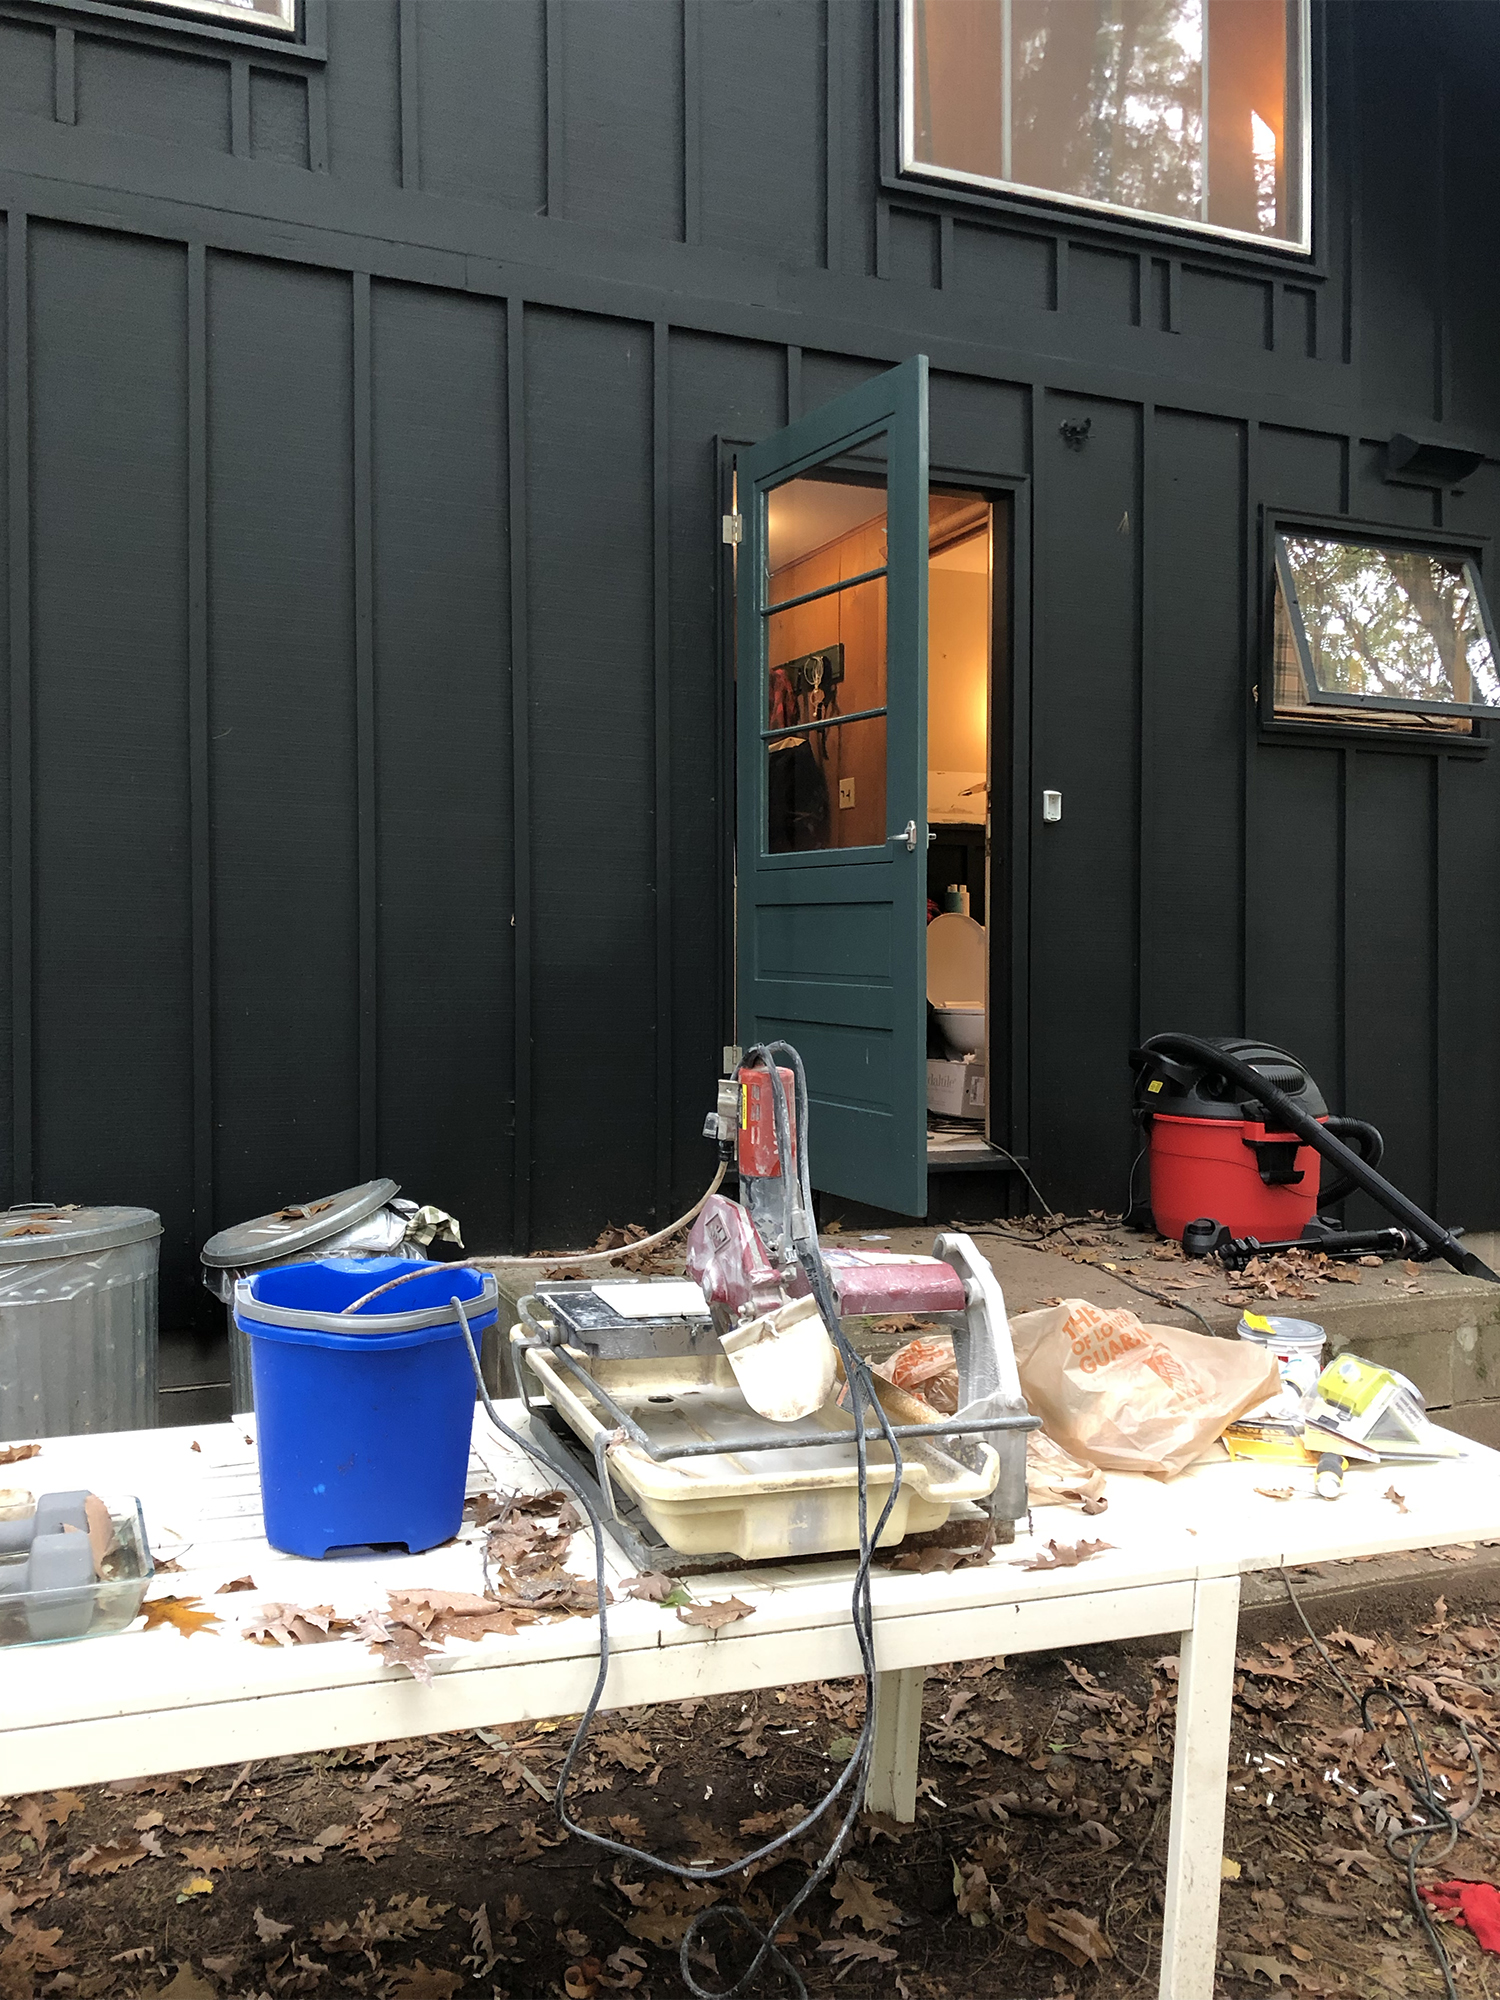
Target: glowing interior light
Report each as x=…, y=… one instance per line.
x=1262, y=139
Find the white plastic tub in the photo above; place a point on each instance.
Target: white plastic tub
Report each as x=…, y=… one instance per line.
x=758, y=1505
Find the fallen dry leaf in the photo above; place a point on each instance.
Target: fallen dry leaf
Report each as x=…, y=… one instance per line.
x=184, y=1614
x=858, y=1900
x=625, y=1748
x=847, y=1950
x=1397, y=1500
x=294, y=1625
x=267, y=1929
x=924, y=1561
x=185, y=1985
x=1070, y=1933
x=1064, y=1555
x=107, y=1858
x=12, y=1454
x=1275, y=1492
x=651, y=1584
x=423, y=1982
x=1274, y=1969
x=235, y=1583
x=725, y=1611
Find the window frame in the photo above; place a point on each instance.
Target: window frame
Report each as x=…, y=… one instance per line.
x=223, y=14
x=910, y=172
x=1333, y=716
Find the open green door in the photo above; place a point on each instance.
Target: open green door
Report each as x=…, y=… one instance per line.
x=831, y=608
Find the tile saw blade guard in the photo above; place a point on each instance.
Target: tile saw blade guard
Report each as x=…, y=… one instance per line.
x=744, y=1254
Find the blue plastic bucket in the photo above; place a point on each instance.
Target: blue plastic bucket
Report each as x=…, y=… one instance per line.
x=362, y=1421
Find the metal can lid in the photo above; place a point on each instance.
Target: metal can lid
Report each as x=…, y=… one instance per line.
x=35, y=1230
x=299, y=1226
x=1275, y=1329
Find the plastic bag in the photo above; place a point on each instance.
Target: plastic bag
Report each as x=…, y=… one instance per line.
x=925, y=1368
x=1130, y=1397
x=1054, y=1478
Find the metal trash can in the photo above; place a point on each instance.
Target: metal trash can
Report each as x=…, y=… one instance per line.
x=77, y=1319
x=364, y=1221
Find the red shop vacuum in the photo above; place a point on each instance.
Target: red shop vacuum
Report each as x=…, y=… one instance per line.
x=1237, y=1135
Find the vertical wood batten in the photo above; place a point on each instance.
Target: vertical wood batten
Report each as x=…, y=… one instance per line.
x=18, y=464
x=364, y=729
x=661, y=700
x=833, y=123
x=1256, y=663
x=515, y=441
x=1436, y=772
x=793, y=384
x=200, y=825
x=64, y=77
x=1146, y=648
x=239, y=107
x=554, y=204
x=407, y=92
x=317, y=122
x=692, y=121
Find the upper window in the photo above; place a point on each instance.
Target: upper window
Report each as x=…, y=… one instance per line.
x=1184, y=111
x=1400, y=633
x=281, y=15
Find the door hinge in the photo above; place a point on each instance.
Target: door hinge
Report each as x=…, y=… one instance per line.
x=733, y=530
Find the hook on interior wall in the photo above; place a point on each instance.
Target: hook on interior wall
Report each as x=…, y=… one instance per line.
x=1076, y=435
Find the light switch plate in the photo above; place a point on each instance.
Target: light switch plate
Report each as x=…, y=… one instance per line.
x=846, y=794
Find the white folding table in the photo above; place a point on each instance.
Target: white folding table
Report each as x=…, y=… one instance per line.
x=144, y=1703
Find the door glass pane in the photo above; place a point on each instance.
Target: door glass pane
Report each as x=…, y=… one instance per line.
x=826, y=661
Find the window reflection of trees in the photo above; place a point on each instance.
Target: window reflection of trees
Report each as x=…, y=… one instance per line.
x=1110, y=96
x=1393, y=622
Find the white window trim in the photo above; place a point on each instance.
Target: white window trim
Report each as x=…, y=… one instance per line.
x=987, y=184
x=228, y=12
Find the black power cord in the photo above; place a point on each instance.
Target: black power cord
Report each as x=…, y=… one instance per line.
x=801, y=1240
x=1407, y=1845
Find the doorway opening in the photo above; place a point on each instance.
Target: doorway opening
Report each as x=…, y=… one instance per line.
x=826, y=748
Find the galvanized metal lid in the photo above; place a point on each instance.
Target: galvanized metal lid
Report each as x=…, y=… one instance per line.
x=35, y=1230
x=302, y=1226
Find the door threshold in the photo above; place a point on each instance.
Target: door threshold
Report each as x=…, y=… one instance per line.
x=950, y=1149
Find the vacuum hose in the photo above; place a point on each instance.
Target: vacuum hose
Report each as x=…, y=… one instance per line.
x=1360, y=1172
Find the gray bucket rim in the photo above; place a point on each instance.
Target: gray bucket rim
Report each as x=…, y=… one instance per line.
x=251, y=1311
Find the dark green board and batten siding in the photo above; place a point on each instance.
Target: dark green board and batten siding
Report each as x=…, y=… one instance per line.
x=367, y=775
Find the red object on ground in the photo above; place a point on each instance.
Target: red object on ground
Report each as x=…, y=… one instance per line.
x=1211, y=1166
x=1477, y=1905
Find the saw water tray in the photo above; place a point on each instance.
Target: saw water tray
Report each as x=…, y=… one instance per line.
x=764, y=1504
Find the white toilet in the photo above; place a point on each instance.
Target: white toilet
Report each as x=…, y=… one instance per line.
x=955, y=980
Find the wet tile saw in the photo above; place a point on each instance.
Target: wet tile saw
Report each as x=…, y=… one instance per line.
x=716, y=1412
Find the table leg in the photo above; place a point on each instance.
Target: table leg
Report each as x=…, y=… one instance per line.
x=1200, y=1770
x=892, y=1784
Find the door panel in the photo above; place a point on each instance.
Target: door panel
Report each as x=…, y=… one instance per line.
x=831, y=610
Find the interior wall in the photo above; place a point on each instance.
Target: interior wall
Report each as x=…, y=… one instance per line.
x=958, y=668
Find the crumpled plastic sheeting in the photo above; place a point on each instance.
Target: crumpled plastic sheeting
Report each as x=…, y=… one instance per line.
x=45, y=1281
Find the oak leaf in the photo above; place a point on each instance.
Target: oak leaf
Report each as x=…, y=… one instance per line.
x=1072, y=1934
x=107, y=1857
x=267, y=1929
x=1065, y=1555
x=858, y=1898
x=12, y=1454
x=724, y=1611
x=184, y=1614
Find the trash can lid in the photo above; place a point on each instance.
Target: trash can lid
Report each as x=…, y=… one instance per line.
x=34, y=1230
x=301, y=1226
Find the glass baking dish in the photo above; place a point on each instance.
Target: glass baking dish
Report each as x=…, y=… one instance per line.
x=81, y=1611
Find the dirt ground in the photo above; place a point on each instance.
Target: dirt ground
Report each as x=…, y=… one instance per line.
x=435, y=1867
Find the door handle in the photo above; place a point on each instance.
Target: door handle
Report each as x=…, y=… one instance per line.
x=907, y=839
